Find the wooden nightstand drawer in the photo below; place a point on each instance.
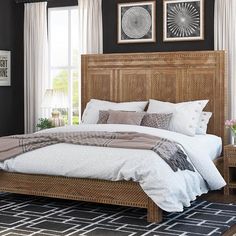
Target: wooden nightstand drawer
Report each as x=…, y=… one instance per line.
x=230, y=151
x=232, y=185
x=229, y=168
x=231, y=163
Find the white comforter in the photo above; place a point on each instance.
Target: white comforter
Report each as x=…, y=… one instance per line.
x=169, y=190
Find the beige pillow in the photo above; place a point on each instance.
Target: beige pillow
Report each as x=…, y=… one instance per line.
x=125, y=117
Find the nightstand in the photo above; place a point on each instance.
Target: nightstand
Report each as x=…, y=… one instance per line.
x=229, y=168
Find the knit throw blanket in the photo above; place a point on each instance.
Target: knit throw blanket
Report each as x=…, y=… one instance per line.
x=170, y=152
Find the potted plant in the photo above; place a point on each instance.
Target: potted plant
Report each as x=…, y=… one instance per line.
x=44, y=123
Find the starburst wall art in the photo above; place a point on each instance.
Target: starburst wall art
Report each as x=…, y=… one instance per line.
x=183, y=20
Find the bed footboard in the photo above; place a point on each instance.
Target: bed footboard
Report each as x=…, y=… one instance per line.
x=124, y=193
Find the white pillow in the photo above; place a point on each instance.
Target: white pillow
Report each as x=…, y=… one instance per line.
x=91, y=112
x=185, y=114
x=203, y=122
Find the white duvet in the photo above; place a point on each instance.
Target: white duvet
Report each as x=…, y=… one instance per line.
x=169, y=190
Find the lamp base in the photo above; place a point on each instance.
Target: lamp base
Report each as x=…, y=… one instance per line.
x=56, y=120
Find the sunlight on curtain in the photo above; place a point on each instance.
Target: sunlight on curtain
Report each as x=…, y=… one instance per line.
x=90, y=29
x=35, y=62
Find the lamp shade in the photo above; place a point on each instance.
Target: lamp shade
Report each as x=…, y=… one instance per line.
x=55, y=99
x=60, y=99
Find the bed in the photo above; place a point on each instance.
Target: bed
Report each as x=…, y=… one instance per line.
x=174, y=77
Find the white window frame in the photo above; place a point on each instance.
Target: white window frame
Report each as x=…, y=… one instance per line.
x=69, y=67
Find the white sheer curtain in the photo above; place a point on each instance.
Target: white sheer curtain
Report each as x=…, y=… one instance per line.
x=225, y=39
x=90, y=30
x=35, y=61
x=90, y=26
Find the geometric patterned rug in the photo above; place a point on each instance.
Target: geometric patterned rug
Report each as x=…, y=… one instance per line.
x=39, y=216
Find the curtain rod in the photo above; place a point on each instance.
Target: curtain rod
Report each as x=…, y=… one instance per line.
x=29, y=1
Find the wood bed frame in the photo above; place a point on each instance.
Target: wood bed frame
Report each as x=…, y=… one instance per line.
x=174, y=77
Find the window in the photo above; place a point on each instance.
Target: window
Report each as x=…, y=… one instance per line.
x=63, y=58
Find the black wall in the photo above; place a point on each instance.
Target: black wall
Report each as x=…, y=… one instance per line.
x=110, y=32
x=11, y=98
x=11, y=38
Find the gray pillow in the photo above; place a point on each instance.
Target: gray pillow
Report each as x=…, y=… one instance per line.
x=103, y=117
x=125, y=117
x=157, y=120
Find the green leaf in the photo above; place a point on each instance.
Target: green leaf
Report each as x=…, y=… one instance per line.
x=44, y=123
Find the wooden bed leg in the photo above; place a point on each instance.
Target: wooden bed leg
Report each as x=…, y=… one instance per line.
x=154, y=213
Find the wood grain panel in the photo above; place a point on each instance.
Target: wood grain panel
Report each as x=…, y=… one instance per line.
x=136, y=80
x=164, y=85
x=100, y=85
x=118, y=192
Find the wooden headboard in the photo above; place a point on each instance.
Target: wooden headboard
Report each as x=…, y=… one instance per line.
x=168, y=76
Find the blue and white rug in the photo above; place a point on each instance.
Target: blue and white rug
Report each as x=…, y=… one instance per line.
x=37, y=216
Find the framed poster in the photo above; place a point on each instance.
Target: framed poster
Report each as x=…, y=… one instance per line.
x=137, y=22
x=183, y=20
x=5, y=68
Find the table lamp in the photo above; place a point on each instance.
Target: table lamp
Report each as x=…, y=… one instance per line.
x=55, y=99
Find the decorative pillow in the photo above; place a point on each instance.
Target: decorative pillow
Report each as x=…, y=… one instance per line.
x=203, y=122
x=125, y=117
x=91, y=112
x=157, y=120
x=103, y=117
x=185, y=115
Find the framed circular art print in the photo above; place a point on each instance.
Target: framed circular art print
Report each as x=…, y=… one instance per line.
x=137, y=22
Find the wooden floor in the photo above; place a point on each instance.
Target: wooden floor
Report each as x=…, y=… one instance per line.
x=218, y=196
